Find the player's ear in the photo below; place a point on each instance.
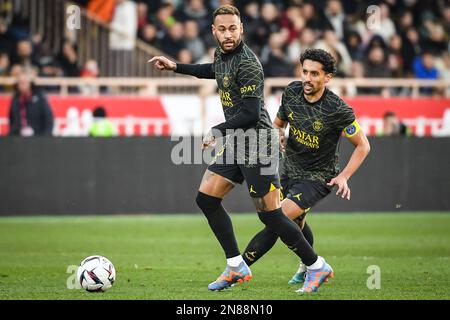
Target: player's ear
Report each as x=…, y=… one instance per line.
x=242, y=28
x=328, y=77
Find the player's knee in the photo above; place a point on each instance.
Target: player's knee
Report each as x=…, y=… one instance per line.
x=269, y=218
x=266, y=203
x=292, y=210
x=295, y=215
x=260, y=204
x=207, y=203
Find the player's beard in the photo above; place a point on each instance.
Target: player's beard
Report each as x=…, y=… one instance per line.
x=228, y=48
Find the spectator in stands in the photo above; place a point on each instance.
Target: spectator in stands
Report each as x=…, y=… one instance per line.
x=338, y=50
x=314, y=19
x=49, y=69
x=411, y=48
x=16, y=70
x=30, y=113
x=219, y=3
x=395, y=59
x=375, y=66
x=376, y=42
x=396, y=65
x=386, y=29
x=7, y=42
x=185, y=56
x=265, y=26
x=277, y=63
x=4, y=68
x=4, y=64
x=419, y=26
x=443, y=66
x=446, y=19
x=90, y=70
x=306, y=40
x=142, y=15
x=164, y=17
x=68, y=60
x=361, y=26
x=172, y=42
x=122, y=36
x=433, y=35
x=102, y=10
x=425, y=68
x=355, y=47
x=24, y=55
x=336, y=18
x=192, y=41
x=357, y=72
x=198, y=11
x=208, y=57
x=250, y=17
x=392, y=126
x=292, y=20
x=102, y=127
x=149, y=34
x=405, y=21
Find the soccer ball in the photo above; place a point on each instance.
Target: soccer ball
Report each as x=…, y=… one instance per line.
x=96, y=274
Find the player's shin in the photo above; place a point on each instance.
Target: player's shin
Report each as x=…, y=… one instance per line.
x=260, y=244
x=307, y=232
x=220, y=223
x=290, y=234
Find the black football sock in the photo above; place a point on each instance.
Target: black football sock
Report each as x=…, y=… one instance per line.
x=263, y=241
x=307, y=232
x=220, y=223
x=290, y=234
x=260, y=244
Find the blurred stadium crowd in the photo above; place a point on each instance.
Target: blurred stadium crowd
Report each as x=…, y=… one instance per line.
x=396, y=39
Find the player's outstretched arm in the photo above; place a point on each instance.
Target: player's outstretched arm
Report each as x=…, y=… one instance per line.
x=202, y=71
x=362, y=149
x=162, y=63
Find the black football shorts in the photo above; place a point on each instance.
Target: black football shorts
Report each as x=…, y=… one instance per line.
x=305, y=193
x=261, y=178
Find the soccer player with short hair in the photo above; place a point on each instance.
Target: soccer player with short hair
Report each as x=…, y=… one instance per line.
x=240, y=80
x=317, y=118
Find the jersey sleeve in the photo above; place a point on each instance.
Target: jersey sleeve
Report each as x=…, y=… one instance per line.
x=345, y=116
x=281, y=114
x=292, y=90
x=250, y=79
x=201, y=71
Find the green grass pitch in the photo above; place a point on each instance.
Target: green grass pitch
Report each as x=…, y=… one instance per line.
x=161, y=257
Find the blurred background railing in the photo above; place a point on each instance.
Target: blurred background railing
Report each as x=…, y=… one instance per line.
x=189, y=85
